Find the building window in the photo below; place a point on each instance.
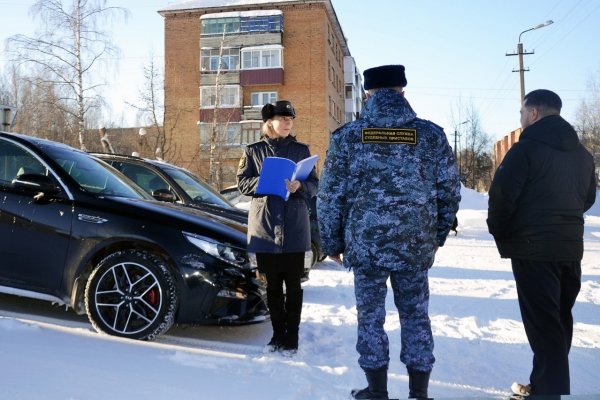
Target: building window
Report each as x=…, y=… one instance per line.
x=242, y=24
x=251, y=132
x=230, y=60
x=229, y=96
x=261, y=58
x=262, y=23
x=259, y=99
x=217, y=26
x=227, y=134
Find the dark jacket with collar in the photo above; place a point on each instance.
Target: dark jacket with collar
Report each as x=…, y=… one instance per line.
x=540, y=192
x=275, y=225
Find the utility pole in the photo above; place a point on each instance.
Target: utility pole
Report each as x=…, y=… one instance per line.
x=521, y=53
x=521, y=70
x=7, y=116
x=456, y=152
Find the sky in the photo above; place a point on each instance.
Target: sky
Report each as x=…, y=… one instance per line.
x=47, y=352
x=454, y=52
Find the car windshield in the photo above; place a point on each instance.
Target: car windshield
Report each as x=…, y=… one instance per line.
x=195, y=188
x=92, y=175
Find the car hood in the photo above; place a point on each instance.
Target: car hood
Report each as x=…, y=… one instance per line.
x=186, y=218
x=232, y=213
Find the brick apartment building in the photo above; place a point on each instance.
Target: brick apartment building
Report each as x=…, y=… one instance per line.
x=250, y=53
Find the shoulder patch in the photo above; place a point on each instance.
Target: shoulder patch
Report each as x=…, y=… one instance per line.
x=242, y=163
x=389, y=135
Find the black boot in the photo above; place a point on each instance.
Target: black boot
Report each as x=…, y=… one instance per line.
x=278, y=338
x=377, y=389
x=293, y=313
x=418, y=381
x=275, y=301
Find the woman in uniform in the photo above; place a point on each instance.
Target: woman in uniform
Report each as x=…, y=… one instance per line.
x=279, y=230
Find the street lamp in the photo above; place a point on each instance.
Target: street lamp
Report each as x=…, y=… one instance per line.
x=520, y=53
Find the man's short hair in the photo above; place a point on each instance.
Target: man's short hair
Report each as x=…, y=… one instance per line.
x=545, y=100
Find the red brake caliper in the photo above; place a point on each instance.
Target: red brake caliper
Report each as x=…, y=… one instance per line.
x=152, y=296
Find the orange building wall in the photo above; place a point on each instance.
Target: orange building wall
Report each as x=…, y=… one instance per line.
x=503, y=145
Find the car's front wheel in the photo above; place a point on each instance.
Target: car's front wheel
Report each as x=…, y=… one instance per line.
x=131, y=294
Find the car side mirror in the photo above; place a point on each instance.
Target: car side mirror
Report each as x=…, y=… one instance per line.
x=35, y=183
x=163, y=195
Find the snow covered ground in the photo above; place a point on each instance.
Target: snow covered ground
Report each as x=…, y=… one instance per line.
x=480, y=346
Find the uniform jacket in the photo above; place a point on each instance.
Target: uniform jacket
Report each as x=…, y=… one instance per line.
x=387, y=198
x=275, y=225
x=539, y=194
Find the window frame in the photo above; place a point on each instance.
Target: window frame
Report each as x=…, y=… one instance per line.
x=260, y=95
x=232, y=137
x=211, y=55
x=223, y=104
x=258, y=54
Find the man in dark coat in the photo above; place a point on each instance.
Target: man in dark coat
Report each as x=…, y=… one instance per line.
x=536, y=203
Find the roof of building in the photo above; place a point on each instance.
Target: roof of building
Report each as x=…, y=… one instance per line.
x=254, y=13
x=195, y=4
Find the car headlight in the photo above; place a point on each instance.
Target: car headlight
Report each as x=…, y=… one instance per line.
x=226, y=253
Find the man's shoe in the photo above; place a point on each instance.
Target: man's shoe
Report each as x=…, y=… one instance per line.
x=521, y=389
x=274, y=344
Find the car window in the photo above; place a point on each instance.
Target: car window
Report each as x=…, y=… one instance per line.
x=148, y=179
x=199, y=191
x=92, y=175
x=16, y=161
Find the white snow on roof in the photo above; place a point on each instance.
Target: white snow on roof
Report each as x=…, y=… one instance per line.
x=231, y=14
x=194, y=4
x=263, y=47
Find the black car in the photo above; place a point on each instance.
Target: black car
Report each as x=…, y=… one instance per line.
x=233, y=195
x=167, y=182
x=76, y=232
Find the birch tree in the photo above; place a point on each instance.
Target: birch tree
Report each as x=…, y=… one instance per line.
x=151, y=110
x=214, y=165
x=66, y=52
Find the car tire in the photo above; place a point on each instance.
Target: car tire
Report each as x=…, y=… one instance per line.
x=131, y=294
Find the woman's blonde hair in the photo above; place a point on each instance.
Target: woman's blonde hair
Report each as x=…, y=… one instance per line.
x=268, y=131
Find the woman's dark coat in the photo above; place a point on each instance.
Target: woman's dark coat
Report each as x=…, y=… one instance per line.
x=276, y=225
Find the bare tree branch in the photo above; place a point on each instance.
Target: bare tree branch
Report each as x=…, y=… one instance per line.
x=65, y=51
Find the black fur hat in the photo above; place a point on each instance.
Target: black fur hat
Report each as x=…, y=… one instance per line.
x=385, y=76
x=282, y=107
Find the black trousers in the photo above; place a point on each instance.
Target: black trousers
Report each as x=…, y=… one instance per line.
x=547, y=293
x=285, y=310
